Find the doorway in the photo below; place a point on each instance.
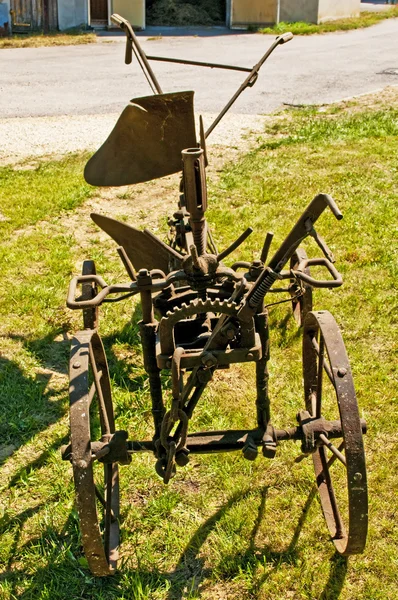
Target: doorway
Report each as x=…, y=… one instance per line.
x=182, y=13
x=98, y=13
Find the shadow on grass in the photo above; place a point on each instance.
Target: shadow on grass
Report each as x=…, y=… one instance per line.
x=65, y=576
x=30, y=403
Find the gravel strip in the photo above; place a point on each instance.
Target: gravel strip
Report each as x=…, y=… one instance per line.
x=28, y=137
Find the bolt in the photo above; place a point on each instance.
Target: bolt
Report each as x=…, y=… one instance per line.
x=182, y=458
x=168, y=364
x=358, y=477
x=82, y=464
x=230, y=333
x=209, y=360
x=342, y=372
x=250, y=355
x=77, y=365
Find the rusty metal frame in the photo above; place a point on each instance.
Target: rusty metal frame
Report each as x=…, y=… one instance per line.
x=198, y=316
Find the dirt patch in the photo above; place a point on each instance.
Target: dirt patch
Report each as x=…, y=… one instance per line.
x=386, y=98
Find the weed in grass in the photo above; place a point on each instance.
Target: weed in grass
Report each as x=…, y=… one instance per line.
x=366, y=19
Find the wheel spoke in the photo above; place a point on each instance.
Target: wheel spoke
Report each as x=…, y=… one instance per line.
x=97, y=374
x=333, y=458
x=335, y=451
x=325, y=365
x=108, y=506
x=325, y=475
x=319, y=378
x=91, y=393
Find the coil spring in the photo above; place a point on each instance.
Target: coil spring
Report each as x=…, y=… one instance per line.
x=262, y=289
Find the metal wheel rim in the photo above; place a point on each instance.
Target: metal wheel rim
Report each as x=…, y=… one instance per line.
x=100, y=550
x=349, y=539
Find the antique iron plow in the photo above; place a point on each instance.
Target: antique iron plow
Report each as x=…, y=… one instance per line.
x=198, y=316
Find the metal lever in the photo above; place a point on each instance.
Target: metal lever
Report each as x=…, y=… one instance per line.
x=337, y=280
x=322, y=244
x=250, y=79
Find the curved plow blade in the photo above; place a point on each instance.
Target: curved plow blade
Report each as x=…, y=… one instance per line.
x=144, y=251
x=146, y=142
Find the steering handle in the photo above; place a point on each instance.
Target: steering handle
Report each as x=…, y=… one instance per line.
x=337, y=280
x=286, y=37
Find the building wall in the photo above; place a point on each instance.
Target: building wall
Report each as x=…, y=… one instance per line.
x=4, y=13
x=337, y=9
x=132, y=10
x=72, y=13
x=256, y=12
x=316, y=11
x=299, y=10
x=34, y=15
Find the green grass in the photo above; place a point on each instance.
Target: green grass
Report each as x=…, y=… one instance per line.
x=366, y=19
x=224, y=527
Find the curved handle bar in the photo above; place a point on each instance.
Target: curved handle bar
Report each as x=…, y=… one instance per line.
x=127, y=28
x=72, y=303
x=320, y=283
x=132, y=43
x=331, y=203
x=132, y=288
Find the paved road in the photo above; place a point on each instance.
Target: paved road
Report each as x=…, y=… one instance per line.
x=93, y=80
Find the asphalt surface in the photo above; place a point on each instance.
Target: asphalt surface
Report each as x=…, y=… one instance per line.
x=93, y=79
x=91, y=83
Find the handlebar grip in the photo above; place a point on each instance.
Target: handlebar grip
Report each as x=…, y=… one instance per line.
x=129, y=52
x=117, y=19
x=286, y=37
x=333, y=207
x=337, y=280
x=72, y=303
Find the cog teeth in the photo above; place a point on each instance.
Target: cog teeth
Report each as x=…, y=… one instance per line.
x=198, y=306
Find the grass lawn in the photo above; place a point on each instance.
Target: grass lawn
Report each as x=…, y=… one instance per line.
x=36, y=40
x=366, y=19
x=224, y=527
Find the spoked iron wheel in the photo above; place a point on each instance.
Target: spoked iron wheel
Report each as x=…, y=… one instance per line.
x=89, y=291
x=340, y=472
x=96, y=484
x=301, y=304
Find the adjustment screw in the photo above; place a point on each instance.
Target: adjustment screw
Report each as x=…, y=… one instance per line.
x=358, y=477
x=342, y=372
